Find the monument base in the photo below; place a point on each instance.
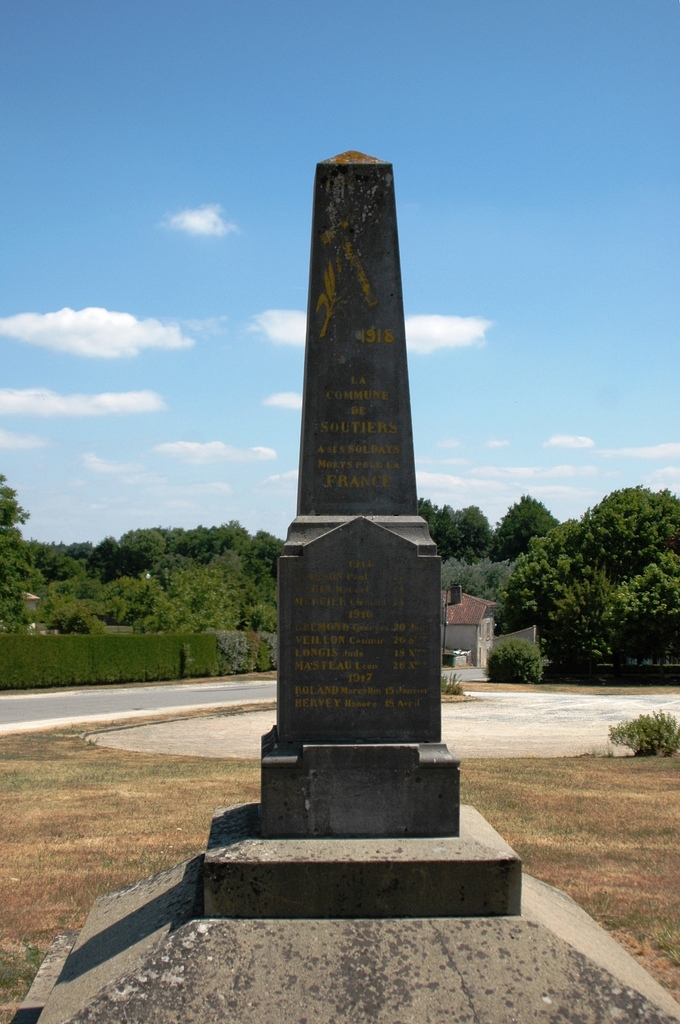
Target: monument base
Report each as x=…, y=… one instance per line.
x=148, y=954
x=247, y=876
x=358, y=790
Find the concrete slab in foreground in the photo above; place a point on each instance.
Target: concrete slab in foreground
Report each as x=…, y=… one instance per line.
x=482, y=970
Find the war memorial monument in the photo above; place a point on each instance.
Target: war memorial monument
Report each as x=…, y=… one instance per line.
x=358, y=889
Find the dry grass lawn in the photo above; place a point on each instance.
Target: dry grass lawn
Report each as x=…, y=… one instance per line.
x=79, y=820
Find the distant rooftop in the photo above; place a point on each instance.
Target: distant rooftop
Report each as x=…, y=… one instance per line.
x=470, y=612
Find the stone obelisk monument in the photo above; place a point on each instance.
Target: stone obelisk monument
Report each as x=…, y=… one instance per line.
x=349, y=895
x=356, y=749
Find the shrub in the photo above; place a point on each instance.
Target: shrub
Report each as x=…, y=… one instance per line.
x=515, y=661
x=243, y=652
x=233, y=651
x=270, y=639
x=263, y=660
x=648, y=735
x=452, y=685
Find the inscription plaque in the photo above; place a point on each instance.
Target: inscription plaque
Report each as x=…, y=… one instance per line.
x=355, y=648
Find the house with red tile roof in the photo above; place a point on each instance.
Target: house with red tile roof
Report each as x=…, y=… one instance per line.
x=469, y=627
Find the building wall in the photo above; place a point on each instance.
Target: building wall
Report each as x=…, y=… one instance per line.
x=475, y=638
x=530, y=634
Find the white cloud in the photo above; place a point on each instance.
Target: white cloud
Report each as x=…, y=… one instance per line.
x=16, y=442
x=442, y=462
x=497, y=444
x=444, y=482
x=495, y=495
x=97, y=465
x=41, y=402
x=281, y=480
x=451, y=443
x=282, y=326
x=532, y=472
x=210, y=325
x=669, y=476
x=425, y=334
x=200, y=454
x=569, y=441
x=216, y=487
x=93, y=332
x=204, y=220
x=284, y=400
x=669, y=450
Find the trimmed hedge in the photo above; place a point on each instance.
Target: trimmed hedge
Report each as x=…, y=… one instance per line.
x=28, y=662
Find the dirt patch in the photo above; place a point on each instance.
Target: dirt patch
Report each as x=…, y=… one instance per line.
x=604, y=830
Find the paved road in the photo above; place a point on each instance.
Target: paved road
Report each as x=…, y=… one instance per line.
x=492, y=725
x=40, y=710
x=24, y=712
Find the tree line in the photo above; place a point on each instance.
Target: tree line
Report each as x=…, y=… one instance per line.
x=154, y=580
x=601, y=588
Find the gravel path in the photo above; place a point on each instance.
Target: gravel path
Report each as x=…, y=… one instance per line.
x=491, y=725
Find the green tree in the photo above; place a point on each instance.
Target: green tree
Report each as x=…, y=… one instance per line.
x=52, y=566
x=15, y=562
x=67, y=614
x=525, y=519
x=138, y=602
x=541, y=577
x=137, y=551
x=614, y=541
x=629, y=530
x=645, y=612
x=580, y=622
x=458, y=533
x=103, y=560
x=475, y=533
x=204, y=597
x=443, y=530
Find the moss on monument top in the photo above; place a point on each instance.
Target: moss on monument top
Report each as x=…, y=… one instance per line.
x=353, y=156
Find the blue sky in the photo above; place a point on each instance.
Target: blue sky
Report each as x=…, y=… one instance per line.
x=155, y=198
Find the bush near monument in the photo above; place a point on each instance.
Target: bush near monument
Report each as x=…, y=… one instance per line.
x=28, y=662
x=515, y=661
x=452, y=685
x=648, y=735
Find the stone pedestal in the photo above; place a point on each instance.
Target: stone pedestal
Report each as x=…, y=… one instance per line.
x=344, y=940
x=246, y=875
x=352, y=790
